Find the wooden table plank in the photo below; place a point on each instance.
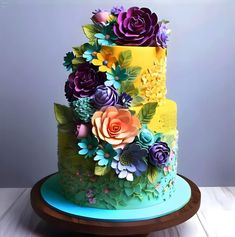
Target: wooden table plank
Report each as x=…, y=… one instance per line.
x=215, y=217
x=7, y=197
x=190, y=228
x=217, y=212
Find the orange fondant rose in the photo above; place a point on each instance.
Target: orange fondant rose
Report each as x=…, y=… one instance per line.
x=115, y=125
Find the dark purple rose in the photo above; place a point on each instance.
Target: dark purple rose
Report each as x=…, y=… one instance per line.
x=83, y=82
x=116, y=10
x=136, y=27
x=105, y=96
x=162, y=35
x=159, y=154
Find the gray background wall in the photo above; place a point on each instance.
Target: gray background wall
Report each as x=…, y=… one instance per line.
x=201, y=78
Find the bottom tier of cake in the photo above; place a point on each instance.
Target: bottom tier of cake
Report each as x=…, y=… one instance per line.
x=79, y=184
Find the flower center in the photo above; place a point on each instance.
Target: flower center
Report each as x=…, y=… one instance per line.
x=94, y=54
x=105, y=62
x=125, y=159
x=90, y=146
x=106, y=155
x=116, y=78
x=115, y=127
x=107, y=37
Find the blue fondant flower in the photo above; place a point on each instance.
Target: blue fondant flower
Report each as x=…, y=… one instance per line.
x=163, y=34
x=116, y=10
x=105, y=155
x=106, y=36
x=116, y=76
x=88, y=146
x=91, y=52
x=130, y=161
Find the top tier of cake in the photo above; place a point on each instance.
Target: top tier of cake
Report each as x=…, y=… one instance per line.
x=151, y=81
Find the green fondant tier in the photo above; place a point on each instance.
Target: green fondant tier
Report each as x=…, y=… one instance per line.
x=80, y=185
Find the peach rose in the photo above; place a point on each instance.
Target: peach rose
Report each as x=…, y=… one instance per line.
x=116, y=126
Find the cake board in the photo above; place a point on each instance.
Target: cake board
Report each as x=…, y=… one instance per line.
x=116, y=227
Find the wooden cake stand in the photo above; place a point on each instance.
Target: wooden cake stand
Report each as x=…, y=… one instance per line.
x=102, y=228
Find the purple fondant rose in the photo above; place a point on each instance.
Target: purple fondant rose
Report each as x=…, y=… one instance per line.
x=83, y=82
x=137, y=26
x=105, y=96
x=159, y=154
x=162, y=35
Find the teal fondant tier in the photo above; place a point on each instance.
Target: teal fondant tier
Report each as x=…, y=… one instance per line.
x=79, y=184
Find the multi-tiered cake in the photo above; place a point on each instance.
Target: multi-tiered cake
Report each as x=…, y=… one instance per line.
x=117, y=139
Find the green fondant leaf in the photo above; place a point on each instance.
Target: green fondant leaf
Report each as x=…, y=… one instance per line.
x=158, y=137
x=77, y=61
x=152, y=174
x=127, y=184
x=129, y=88
x=113, y=202
x=129, y=191
x=81, y=196
x=147, y=112
x=137, y=100
x=133, y=72
x=102, y=170
x=137, y=189
x=90, y=30
x=125, y=58
x=132, y=112
x=63, y=114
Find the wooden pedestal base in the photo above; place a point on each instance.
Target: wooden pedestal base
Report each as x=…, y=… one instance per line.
x=102, y=228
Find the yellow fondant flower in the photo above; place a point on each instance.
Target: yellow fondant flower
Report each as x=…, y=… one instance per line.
x=105, y=61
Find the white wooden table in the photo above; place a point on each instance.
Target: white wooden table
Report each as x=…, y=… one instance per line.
x=216, y=216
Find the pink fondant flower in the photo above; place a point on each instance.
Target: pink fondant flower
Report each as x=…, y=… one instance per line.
x=101, y=17
x=82, y=131
x=115, y=125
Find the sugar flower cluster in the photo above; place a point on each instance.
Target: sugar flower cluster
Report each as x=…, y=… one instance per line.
x=108, y=131
x=134, y=26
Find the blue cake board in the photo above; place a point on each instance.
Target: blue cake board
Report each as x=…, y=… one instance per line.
x=51, y=194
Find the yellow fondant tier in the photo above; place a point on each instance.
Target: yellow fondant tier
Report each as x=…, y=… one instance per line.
x=152, y=80
x=165, y=118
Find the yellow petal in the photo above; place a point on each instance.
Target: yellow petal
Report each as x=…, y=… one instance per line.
x=104, y=68
x=96, y=62
x=100, y=57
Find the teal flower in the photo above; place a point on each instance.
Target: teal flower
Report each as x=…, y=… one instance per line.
x=91, y=52
x=106, y=36
x=116, y=76
x=68, y=60
x=88, y=146
x=105, y=156
x=84, y=109
x=145, y=137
